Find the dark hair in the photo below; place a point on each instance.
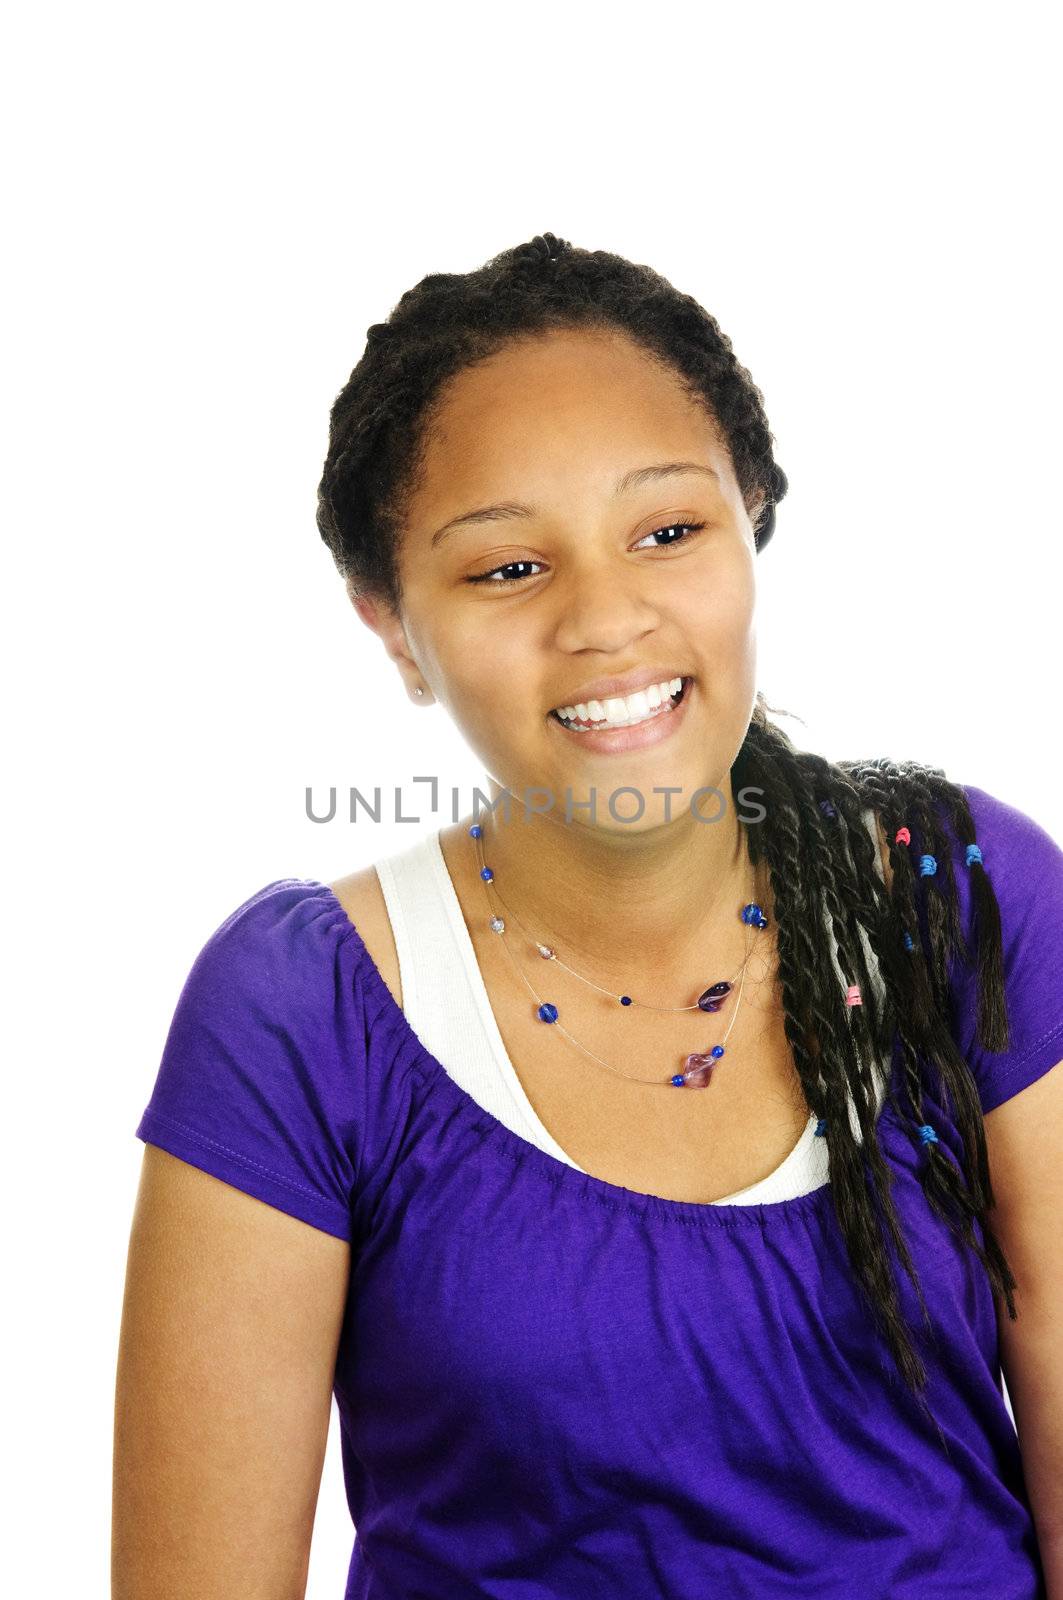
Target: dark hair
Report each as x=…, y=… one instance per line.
x=815, y=840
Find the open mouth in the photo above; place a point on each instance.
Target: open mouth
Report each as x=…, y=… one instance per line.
x=663, y=710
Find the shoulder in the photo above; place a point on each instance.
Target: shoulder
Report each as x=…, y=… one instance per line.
x=284, y=939
x=281, y=978
x=362, y=900
x=1020, y=845
x=264, y=1075
x=1018, y=838
x=1021, y=862
x=1021, y=859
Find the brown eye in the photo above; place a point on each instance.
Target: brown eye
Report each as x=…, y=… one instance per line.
x=484, y=577
x=682, y=527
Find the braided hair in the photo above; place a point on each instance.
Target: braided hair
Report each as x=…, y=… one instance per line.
x=814, y=839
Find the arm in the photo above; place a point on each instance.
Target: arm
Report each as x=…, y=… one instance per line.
x=230, y=1327
x=1024, y=1137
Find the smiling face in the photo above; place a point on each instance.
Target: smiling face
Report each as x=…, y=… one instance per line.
x=579, y=566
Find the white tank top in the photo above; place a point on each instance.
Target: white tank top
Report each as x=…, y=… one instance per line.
x=445, y=1001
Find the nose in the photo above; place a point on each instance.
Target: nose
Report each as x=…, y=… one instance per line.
x=602, y=609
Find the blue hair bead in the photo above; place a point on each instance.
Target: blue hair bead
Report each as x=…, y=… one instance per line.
x=909, y=942
x=827, y=809
x=973, y=854
x=821, y=1127
x=547, y=1012
x=928, y=1135
x=927, y=866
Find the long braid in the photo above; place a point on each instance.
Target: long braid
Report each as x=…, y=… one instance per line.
x=824, y=864
x=832, y=891
x=861, y=1183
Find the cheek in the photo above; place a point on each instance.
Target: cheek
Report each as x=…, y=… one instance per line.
x=718, y=606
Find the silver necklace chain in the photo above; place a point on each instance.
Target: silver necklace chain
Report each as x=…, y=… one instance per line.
x=543, y=949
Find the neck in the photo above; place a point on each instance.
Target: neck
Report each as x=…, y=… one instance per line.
x=660, y=900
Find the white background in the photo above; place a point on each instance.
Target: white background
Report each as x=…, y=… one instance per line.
x=208, y=206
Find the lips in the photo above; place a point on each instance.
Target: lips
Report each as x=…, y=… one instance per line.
x=618, y=687
x=604, y=726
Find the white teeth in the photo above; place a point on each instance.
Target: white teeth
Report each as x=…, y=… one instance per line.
x=626, y=711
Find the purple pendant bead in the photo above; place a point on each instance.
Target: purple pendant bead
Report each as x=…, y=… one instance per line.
x=712, y=999
x=698, y=1068
x=697, y=1071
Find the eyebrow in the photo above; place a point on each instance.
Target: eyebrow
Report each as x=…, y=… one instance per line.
x=507, y=509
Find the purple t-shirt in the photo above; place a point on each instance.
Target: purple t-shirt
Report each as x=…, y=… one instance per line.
x=554, y=1386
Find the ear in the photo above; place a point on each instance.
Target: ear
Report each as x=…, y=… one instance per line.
x=379, y=615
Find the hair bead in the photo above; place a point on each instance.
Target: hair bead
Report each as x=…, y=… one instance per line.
x=927, y=866
x=827, y=809
x=852, y=995
x=909, y=942
x=928, y=1135
x=973, y=854
x=902, y=836
x=821, y=1127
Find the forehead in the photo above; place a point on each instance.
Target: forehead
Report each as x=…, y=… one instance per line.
x=564, y=404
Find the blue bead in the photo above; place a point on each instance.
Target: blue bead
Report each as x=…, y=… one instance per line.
x=476, y=831
x=927, y=866
x=547, y=1012
x=678, y=1080
x=625, y=999
x=821, y=1126
x=486, y=874
x=717, y=1051
x=927, y=1134
x=973, y=854
x=752, y=913
x=909, y=942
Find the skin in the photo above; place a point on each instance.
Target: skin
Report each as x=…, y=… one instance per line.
x=230, y=1326
x=1024, y=1140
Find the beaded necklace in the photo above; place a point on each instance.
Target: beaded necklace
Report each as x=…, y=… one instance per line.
x=698, y=1065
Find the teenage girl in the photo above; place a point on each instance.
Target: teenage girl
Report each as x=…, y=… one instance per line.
x=660, y=1164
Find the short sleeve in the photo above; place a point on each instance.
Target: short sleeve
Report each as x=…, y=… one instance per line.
x=1025, y=867
x=259, y=1078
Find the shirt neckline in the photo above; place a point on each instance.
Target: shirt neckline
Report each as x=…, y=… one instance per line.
x=456, y=917
x=525, y=1154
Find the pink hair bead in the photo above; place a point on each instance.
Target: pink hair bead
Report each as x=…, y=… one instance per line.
x=852, y=995
x=902, y=836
